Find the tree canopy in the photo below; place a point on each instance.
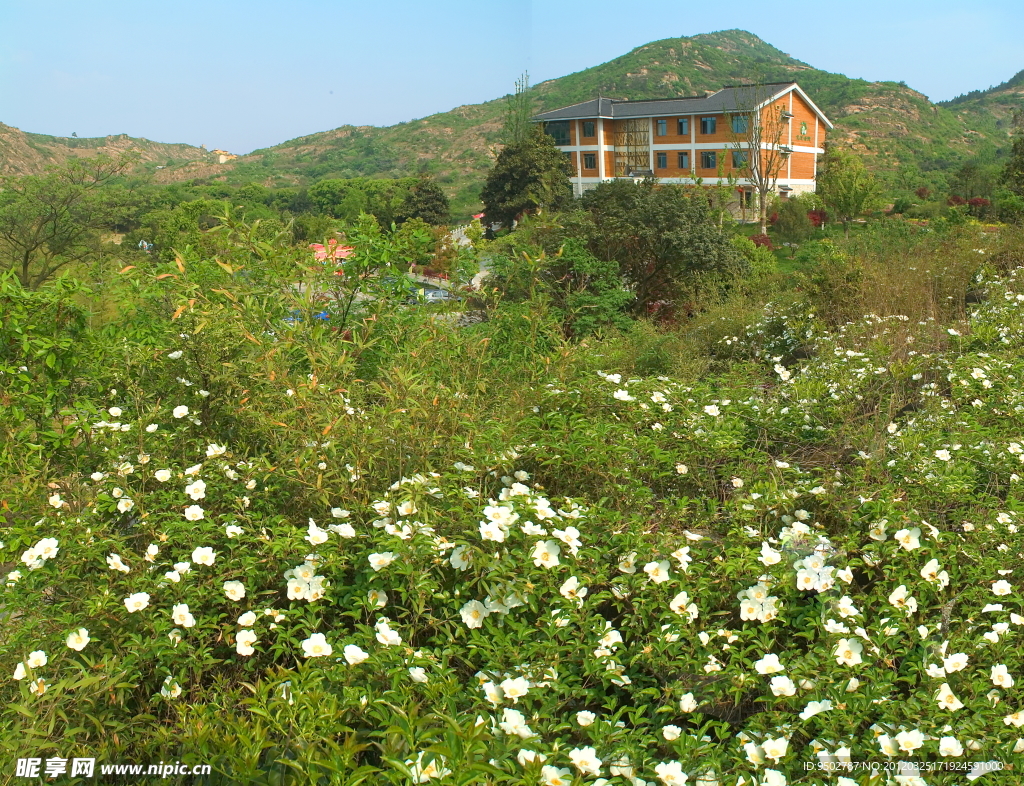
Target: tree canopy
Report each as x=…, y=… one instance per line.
x=50, y=221
x=664, y=237
x=527, y=176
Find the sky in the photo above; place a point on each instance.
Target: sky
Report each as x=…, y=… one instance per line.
x=245, y=75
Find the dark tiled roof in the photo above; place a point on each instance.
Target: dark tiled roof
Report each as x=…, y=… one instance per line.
x=728, y=99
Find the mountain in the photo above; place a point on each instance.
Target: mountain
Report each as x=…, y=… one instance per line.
x=23, y=153
x=908, y=140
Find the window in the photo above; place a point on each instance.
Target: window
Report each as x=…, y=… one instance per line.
x=708, y=125
x=559, y=131
x=590, y=161
x=684, y=160
x=662, y=160
x=740, y=159
x=740, y=123
x=683, y=126
x=662, y=127
x=589, y=128
x=708, y=159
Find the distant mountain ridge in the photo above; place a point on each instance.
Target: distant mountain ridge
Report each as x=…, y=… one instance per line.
x=897, y=129
x=24, y=153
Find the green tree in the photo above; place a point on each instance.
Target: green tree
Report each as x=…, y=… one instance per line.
x=664, y=238
x=518, y=111
x=1013, y=171
x=50, y=221
x=531, y=175
x=845, y=187
x=427, y=201
x=793, y=225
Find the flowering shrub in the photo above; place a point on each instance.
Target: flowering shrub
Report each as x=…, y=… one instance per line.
x=404, y=577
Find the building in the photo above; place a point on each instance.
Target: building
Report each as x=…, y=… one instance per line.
x=702, y=139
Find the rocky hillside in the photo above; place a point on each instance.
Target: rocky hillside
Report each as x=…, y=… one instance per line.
x=22, y=153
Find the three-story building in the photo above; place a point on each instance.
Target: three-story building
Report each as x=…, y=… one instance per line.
x=773, y=129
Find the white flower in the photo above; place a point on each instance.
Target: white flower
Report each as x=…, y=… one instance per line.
x=585, y=717
x=460, y=558
x=247, y=620
x=514, y=722
x=909, y=538
x=682, y=469
x=572, y=590
x=947, y=699
x=712, y=410
x=687, y=703
x=174, y=355
x=658, y=572
x=514, y=689
x=196, y=490
x=171, y=689
x=1002, y=587
x=137, y=601
x=622, y=395
x=942, y=455
x=769, y=556
x=814, y=707
x=909, y=741
x=473, y=613
x=382, y=560
x=233, y=530
x=194, y=513
x=55, y=500
x=586, y=761
x=114, y=563
x=152, y=427
x=78, y=639
x=1001, y=677
x=670, y=773
x=234, y=590
x=180, y=412
x=671, y=732
x=316, y=646
x=956, y=662
x=163, y=475
x=950, y=746
x=354, y=655
x=737, y=483
x=213, y=450
x=203, y=555
x=848, y=652
x=769, y=664
x=783, y=686
x=316, y=535
x=418, y=674
x=385, y=635
x=182, y=616
x=545, y=554
x=681, y=603
x=36, y=660
x=244, y=641
x=775, y=749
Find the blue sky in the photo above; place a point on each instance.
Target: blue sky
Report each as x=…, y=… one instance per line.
x=244, y=75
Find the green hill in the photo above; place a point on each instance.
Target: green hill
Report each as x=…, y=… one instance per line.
x=908, y=140
x=24, y=153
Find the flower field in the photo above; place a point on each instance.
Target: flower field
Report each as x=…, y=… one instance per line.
x=487, y=556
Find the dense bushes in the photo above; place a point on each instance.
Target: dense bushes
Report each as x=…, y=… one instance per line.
x=413, y=552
